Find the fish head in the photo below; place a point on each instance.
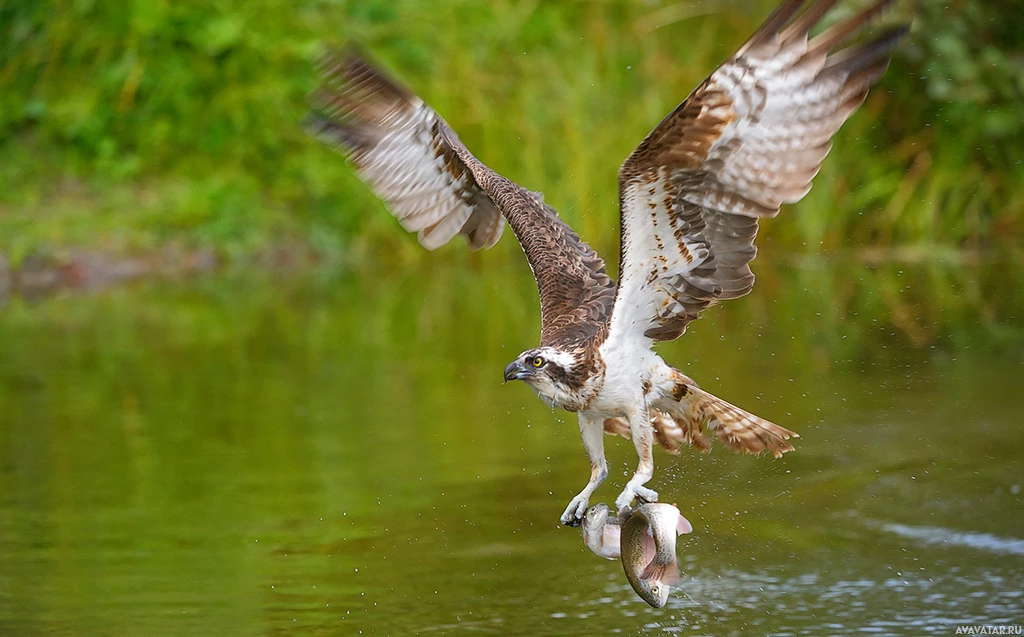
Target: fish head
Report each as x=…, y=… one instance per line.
x=594, y=520
x=653, y=591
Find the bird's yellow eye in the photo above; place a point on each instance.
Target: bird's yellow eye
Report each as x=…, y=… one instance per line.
x=537, y=361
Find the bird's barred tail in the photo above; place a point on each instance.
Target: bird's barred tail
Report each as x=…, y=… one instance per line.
x=682, y=420
x=741, y=430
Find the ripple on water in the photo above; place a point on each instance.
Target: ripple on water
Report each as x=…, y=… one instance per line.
x=824, y=603
x=937, y=536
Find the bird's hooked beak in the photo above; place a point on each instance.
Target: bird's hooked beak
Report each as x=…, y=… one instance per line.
x=517, y=371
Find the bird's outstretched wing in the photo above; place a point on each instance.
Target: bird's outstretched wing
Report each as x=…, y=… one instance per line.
x=751, y=137
x=416, y=163
x=399, y=148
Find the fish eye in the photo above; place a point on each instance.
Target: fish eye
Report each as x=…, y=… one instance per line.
x=537, y=361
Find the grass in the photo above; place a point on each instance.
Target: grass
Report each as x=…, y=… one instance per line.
x=126, y=127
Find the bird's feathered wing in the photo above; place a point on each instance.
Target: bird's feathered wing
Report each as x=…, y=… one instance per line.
x=416, y=163
x=398, y=146
x=748, y=139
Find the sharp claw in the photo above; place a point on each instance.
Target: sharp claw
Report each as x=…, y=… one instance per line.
x=622, y=503
x=625, y=514
x=645, y=495
x=642, y=494
x=574, y=513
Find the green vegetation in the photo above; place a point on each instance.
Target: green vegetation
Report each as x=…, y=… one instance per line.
x=130, y=128
x=126, y=126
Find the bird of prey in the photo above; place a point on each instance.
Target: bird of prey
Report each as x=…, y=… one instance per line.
x=748, y=139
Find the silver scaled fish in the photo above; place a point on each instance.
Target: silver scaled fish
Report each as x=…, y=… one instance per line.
x=601, y=532
x=646, y=543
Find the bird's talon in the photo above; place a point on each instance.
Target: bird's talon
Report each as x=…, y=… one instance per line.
x=645, y=495
x=575, y=512
x=642, y=494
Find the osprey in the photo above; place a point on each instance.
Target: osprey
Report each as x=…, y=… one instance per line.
x=748, y=139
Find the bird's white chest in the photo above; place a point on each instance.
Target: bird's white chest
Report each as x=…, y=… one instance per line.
x=632, y=371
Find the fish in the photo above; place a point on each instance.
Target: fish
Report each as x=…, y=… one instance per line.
x=601, y=532
x=644, y=539
x=647, y=544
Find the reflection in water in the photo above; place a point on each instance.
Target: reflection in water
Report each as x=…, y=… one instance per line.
x=253, y=456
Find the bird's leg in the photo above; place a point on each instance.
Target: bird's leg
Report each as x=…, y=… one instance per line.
x=643, y=440
x=592, y=431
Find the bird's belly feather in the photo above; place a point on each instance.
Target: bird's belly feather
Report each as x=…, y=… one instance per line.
x=634, y=376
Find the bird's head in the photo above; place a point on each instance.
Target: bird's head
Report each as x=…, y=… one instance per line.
x=549, y=372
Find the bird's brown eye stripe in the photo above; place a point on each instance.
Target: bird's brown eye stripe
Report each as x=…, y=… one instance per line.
x=538, y=361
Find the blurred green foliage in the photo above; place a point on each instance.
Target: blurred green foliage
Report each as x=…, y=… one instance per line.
x=129, y=125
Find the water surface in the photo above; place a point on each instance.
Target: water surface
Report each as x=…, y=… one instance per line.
x=249, y=456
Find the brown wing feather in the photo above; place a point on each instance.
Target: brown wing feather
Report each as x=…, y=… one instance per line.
x=397, y=145
x=576, y=294
x=748, y=139
x=431, y=182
